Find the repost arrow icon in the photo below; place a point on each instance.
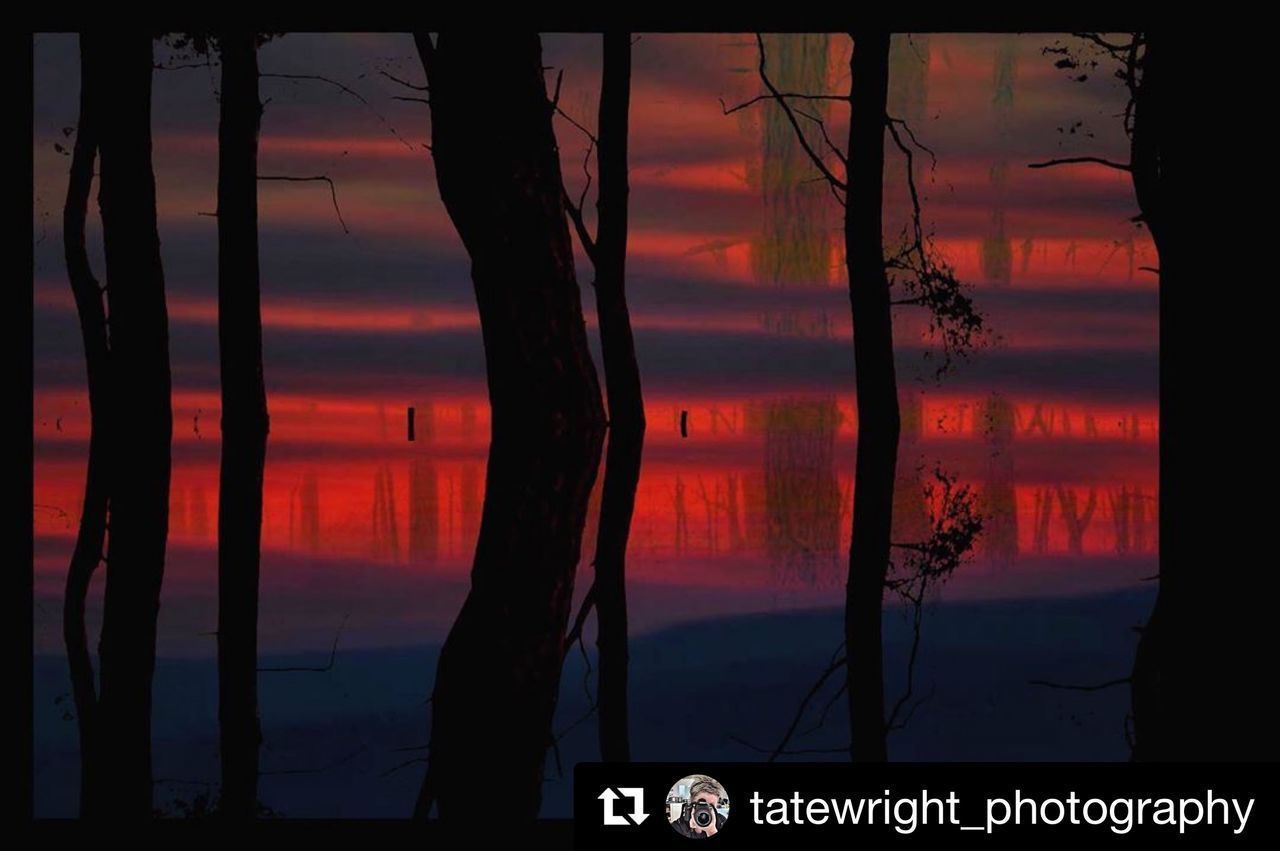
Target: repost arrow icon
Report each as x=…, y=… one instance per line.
x=636, y=816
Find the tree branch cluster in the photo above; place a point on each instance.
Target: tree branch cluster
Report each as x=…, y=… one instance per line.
x=917, y=269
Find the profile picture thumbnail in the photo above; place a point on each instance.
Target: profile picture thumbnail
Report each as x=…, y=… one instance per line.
x=697, y=806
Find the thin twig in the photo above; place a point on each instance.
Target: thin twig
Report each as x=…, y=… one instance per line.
x=333, y=191
x=729, y=110
x=1077, y=160
x=588, y=601
x=780, y=98
x=333, y=656
x=1074, y=687
x=826, y=138
x=404, y=83
x=317, y=770
x=347, y=89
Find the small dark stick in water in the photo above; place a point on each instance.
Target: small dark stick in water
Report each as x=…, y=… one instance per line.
x=684, y=423
x=411, y=423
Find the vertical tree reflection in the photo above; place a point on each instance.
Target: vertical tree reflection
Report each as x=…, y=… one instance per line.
x=996, y=256
x=797, y=495
x=999, y=502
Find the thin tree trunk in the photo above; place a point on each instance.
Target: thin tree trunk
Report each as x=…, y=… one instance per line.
x=1156, y=701
x=877, y=394
x=91, y=538
x=141, y=424
x=626, y=402
x=1199, y=686
x=498, y=679
x=1173, y=699
x=244, y=424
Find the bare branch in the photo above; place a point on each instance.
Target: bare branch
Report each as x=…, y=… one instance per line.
x=574, y=634
x=918, y=242
x=781, y=99
x=837, y=663
x=823, y=127
x=729, y=110
x=567, y=117
x=1107, y=45
x=555, y=98
x=182, y=66
x=933, y=158
x=575, y=209
x=1073, y=687
x=344, y=88
x=917, y=615
x=333, y=656
x=1078, y=160
x=929, y=280
x=319, y=769
x=408, y=762
x=404, y=83
x=332, y=191
x=954, y=527
x=580, y=226
x=796, y=752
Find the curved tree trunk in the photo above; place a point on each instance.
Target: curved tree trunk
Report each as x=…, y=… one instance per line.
x=877, y=393
x=1195, y=687
x=141, y=424
x=244, y=424
x=498, y=679
x=626, y=402
x=91, y=537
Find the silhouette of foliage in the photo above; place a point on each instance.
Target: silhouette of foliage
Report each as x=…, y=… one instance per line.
x=917, y=269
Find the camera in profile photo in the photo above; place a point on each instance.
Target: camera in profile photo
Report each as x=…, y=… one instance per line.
x=697, y=806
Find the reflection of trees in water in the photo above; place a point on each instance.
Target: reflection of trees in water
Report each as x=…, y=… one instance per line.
x=907, y=98
x=998, y=501
x=470, y=496
x=386, y=539
x=1040, y=525
x=198, y=514
x=1132, y=514
x=996, y=253
x=424, y=511
x=682, y=517
x=797, y=496
x=1075, y=517
x=908, y=77
x=1131, y=508
x=470, y=489
x=304, y=514
x=734, y=511
x=794, y=242
x=424, y=492
x=802, y=500
x=178, y=512
x=996, y=257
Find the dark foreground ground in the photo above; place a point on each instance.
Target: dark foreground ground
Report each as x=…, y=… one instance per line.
x=341, y=743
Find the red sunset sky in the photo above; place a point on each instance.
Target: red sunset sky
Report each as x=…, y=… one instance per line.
x=730, y=325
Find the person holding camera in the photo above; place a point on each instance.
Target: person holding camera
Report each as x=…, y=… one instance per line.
x=700, y=817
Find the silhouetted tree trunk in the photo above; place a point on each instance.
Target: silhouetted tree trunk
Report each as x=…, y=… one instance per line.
x=244, y=424
x=1187, y=687
x=498, y=171
x=141, y=422
x=877, y=393
x=626, y=402
x=90, y=540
